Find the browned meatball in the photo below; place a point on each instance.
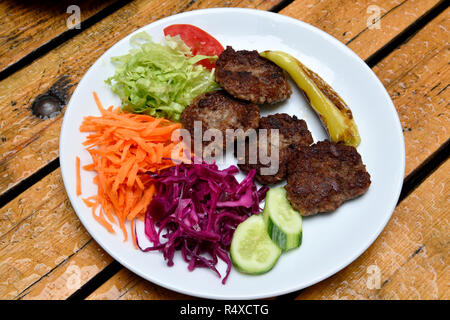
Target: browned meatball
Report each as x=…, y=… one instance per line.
x=218, y=110
x=292, y=133
x=322, y=176
x=248, y=76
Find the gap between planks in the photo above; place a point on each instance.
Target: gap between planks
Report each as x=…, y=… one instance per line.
x=15, y=169
x=403, y=37
x=61, y=38
x=280, y=6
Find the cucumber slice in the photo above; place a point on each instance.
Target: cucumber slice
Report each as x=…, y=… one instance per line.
x=284, y=224
x=251, y=250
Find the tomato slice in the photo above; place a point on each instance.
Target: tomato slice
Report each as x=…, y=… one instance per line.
x=198, y=40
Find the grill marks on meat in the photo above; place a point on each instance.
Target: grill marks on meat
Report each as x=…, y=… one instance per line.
x=248, y=76
x=218, y=110
x=323, y=176
x=292, y=133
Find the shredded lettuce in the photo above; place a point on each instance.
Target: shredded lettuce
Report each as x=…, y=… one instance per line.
x=159, y=79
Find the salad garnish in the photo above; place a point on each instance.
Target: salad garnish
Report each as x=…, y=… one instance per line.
x=198, y=40
x=124, y=147
x=160, y=79
x=195, y=209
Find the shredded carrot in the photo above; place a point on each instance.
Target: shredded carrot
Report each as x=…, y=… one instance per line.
x=132, y=233
x=78, y=176
x=124, y=147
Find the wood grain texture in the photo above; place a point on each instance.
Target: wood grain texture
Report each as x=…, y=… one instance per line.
x=29, y=143
x=45, y=240
x=27, y=25
x=351, y=22
x=45, y=253
x=411, y=254
x=417, y=76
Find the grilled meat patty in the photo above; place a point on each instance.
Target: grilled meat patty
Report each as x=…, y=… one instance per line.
x=218, y=110
x=324, y=175
x=292, y=133
x=248, y=76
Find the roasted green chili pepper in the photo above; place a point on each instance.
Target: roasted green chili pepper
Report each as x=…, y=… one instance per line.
x=332, y=110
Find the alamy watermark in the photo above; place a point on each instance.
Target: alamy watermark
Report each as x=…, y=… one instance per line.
x=74, y=20
x=374, y=19
x=374, y=277
x=250, y=147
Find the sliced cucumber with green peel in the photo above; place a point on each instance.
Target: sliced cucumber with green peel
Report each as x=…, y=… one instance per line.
x=252, y=251
x=284, y=224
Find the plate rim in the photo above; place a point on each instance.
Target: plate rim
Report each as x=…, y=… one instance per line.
x=268, y=293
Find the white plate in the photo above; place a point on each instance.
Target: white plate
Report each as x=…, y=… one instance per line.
x=330, y=241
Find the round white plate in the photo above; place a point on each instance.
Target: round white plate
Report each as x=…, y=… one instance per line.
x=330, y=241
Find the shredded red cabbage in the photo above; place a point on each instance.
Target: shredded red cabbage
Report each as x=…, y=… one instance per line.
x=196, y=209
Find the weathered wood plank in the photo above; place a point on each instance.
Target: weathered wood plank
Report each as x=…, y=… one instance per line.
x=44, y=250
x=36, y=240
x=426, y=54
x=410, y=257
x=125, y=285
x=352, y=21
x=26, y=26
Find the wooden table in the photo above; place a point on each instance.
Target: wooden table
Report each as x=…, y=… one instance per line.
x=45, y=253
